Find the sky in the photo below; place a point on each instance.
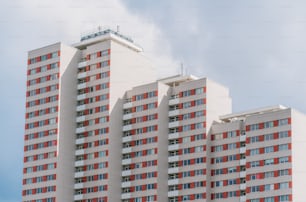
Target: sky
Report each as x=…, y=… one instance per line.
x=255, y=48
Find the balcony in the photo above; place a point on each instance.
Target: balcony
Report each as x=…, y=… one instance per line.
x=242, y=150
x=82, y=75
x=79, y=186
x=78, y=197
x=127, y=127
x=79, y=152
x=173, y=170
x=126, y=184
x=127, y=116
x=126, y=196
x=173, y=124
x=173, y=158
x=126, y=161
x=173, y=136
x=173, y=147
x=126, y=173
x=80, y=130
x=242, y=138
x=242, y=186
x=173, y=182
x=127, y=105
x=81, y=107
x=242, y=174
x=81, y=97
x=174, y=112
x=80, y=119
x=82, y=64
x=242, y=162
x=126, y=150
x=242, y=198
x=79, y=163
x=127, y=139
x=81, y=86
x=173, y=193
x=174, y=101
x=78, y=174
x=80, y=141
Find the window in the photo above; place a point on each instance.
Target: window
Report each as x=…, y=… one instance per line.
x=284, y=185
x=269, y=124
x=254, y=163
x=186, y=127
x=186, y=116
x=54, y=54
x=232, y=134
x=43, y=68
x=269, y=199
x=186, y=104
x=218, y=148
x=199, y=113
x=199, y=125
x=283, y=198
x=269, y=161
x=219, y=183
x=139, y=108
x=254, y=126
x=269, y=137
x=52, y=121
x=232, y=146
x=255, y=188
x=254, y=152
x=269, y=149
x=232, y=194
x=199, y=102
x=232, y=170
x=283, y=159
x=199, y=91
x=104, y=53
x=151, y=105
x=282, y=122
x=54, y=65
x=269, y=174
x=232, y=157
x=269, y=187
x=231, y=181
x=283, y=134
x=186, y=93
x=151, y=94
x=283, y=172
x=104, y=63
x=283, y=147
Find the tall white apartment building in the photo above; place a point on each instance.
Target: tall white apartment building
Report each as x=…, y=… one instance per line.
x=257, y=156
x=74, y=117
x=100, y=127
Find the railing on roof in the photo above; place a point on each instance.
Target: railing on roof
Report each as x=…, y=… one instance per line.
x=100, y=32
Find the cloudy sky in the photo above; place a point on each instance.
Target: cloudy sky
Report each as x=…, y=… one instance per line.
x=256, y=48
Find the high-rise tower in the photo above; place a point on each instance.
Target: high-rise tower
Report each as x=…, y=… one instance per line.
x=101, y=128
x=73, y=116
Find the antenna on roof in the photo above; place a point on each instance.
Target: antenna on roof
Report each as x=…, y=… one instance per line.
x=118, y=28
x=182, y=69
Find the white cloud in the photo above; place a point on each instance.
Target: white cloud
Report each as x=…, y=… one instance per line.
x=45, y=22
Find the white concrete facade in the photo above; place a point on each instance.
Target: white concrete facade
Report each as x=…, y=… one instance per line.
x=101, y=128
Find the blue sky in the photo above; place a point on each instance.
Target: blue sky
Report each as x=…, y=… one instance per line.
x=256, y=48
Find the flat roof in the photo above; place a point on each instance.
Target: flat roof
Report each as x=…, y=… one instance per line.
x=177, y=79
x=235, y=116
x=105, y=35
